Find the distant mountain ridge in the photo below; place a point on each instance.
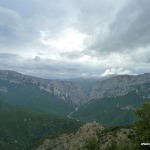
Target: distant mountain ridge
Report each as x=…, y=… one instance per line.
x=121, y=85
x=66, y=90
x=81, y=91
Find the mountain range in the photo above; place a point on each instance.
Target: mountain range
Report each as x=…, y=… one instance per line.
x=81, y=91
x=43, y=107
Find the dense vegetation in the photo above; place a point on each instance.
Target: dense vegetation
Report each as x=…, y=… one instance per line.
x=127, y=137
x=139, y=132
x=33, y=98
x=111, y=111
x=28, y=114
x=21, y=128
x=143, y=127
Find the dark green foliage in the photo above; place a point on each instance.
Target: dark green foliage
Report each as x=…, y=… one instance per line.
x=28, y=114
x=111, y=111
x=112, y=146
x=126, y=145
x=31, y=97
x=111, y=130
x=143, y=127
x=20, y=128
x=92, y=144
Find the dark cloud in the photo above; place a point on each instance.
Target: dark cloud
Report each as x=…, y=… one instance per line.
x=129, y=30
x=42, y=67
x=37, y=58
x=72, y=55
x=94, y=15
x=34, y=36
x=10, y=61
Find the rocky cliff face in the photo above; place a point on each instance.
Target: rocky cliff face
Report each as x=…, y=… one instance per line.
x=65, y=90
x=121, y=85
x=78, y=93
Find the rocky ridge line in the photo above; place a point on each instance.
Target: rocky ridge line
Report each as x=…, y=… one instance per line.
x=74, y=93
x=66, y=90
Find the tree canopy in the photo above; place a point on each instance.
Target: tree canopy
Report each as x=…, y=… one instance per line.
x=143, y=126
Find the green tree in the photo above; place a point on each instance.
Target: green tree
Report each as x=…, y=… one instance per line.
x=92, y=144
x=112, y=146
x=143, y=127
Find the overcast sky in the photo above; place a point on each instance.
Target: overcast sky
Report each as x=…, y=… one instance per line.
x=75, y=38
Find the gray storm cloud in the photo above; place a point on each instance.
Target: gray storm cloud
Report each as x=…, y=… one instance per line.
x=129, y=31
x=36, y=37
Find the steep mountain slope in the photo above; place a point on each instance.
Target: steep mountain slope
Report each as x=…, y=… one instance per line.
x=121, y=85
x=86, y=83
x=31, y=97
x=105, y=103
x=112, y=101
x=19, y=129
x=81, y=91
x=66, y=90
x=111, y=111
x=28, y=114
x=32, y=105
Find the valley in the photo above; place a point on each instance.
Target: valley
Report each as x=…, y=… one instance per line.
x=33, y=109
x=74, y=75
